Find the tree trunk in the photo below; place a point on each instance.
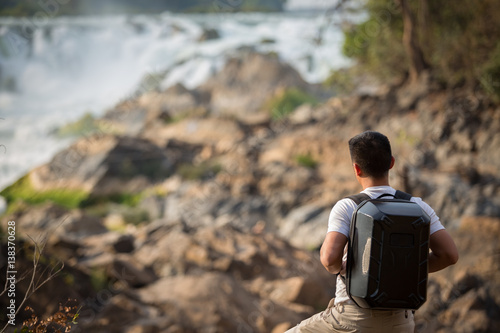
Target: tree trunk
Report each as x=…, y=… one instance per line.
x=411, y=44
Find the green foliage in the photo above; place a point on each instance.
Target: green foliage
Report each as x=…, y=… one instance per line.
x=286, y=102
x=341, y=80
x=126, y=199
x=197, y=112
x=84, y=126
x=403, y=137
x=459, y=41
x=21, y=194
x=306, y=160
x=16, y=206
x=135, y=216
x=124, y=204
x=23, y=190
x=200, y=171
x=490, y=79
x=376, y=43
x=68, y=278
x=98, y=279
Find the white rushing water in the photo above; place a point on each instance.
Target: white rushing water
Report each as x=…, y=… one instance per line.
x=52, y=71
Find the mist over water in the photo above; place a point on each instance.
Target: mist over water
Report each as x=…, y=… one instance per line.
x=53, y=73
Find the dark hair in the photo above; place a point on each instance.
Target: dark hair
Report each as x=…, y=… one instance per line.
x=372, y=152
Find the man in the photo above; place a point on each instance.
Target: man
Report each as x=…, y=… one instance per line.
x=371, y=159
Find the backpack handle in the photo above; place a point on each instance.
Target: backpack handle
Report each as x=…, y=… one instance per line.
x=386, y=195
x=398, y=195
x=360, y=197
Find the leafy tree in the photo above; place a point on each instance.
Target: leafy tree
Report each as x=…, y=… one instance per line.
x=458, y=41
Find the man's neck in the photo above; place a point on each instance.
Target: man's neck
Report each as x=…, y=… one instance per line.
x=370, y=182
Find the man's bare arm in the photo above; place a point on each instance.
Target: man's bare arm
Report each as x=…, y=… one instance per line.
x=443, y=251
x=332, y=251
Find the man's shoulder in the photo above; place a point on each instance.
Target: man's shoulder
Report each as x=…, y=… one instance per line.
x=421, y=202
x=344, y=205
x=346, y=201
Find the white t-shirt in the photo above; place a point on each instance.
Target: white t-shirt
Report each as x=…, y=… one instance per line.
x=340, y=221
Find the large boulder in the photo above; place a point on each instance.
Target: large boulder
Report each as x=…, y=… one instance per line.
x=305, y=226
x=154, y=107
x=247, y=82
x=106, y=164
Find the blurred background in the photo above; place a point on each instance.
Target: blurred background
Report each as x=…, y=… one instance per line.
x=170, y=165
x=62, y=60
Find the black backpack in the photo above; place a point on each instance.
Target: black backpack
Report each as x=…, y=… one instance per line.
x=388, y=252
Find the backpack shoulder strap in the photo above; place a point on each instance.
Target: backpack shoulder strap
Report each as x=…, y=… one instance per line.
x=359, y=198
x=402, y=195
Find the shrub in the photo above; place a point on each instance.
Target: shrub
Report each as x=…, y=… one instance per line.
x=462, y=39
x=306, y=160
x=286, y=102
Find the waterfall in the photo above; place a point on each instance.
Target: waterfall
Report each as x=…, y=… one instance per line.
x=53, y=72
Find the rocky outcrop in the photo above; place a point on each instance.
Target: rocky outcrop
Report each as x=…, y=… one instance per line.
x=210, y=278
x=246, y=83
x=105, y=164
x=57, y=221
x=240, y=90
x=219, y=134
x=466, y=297
x=236, y=209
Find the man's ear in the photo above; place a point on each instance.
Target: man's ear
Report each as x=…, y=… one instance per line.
x=357, y=170
x=393, y=160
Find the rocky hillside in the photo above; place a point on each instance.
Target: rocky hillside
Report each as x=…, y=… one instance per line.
x=202, y=210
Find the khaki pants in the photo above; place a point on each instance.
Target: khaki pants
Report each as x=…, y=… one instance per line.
x=349, y=318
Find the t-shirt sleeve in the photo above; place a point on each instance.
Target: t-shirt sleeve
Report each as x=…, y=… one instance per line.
x=340, y=216
x=435, y=222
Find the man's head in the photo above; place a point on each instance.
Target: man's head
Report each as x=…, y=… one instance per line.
x=371, y=151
